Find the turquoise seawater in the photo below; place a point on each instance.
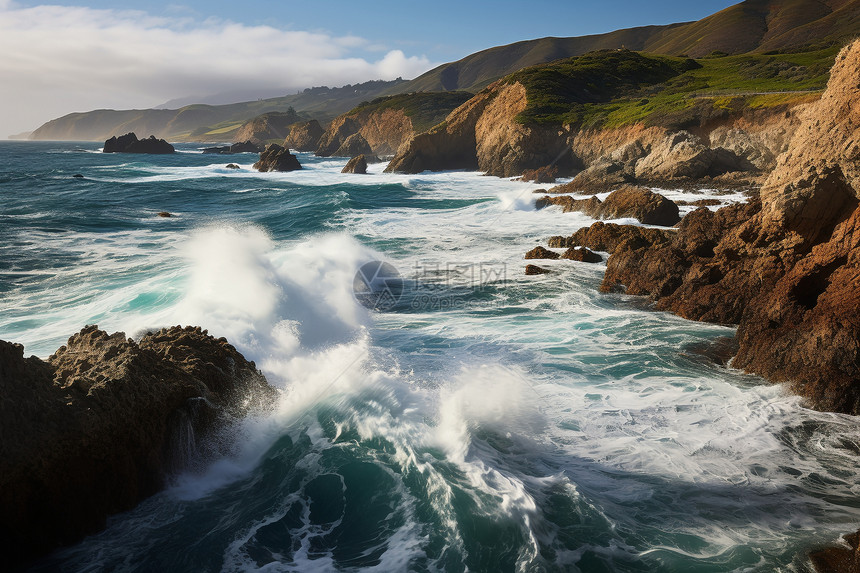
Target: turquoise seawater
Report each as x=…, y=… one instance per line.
x=486, y=421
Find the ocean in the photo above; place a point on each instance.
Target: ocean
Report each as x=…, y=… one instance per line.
x=471, y=419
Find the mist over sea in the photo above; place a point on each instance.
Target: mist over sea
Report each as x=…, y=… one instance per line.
x=480, y=420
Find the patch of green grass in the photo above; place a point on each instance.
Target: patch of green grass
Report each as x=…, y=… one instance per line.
x=616, y=88
x=424, y=109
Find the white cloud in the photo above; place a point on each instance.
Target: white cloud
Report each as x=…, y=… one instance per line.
x=62, y=59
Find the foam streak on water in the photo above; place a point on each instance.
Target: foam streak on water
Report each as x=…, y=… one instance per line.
x=488, y=422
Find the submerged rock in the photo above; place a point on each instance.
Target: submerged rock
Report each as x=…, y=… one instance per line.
x=96, y=428
x=241, y=147
x=277, y=158
x=232, y=166
x=129, y=143
x=165, y=214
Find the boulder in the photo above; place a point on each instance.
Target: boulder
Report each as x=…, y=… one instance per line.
x=541, y=253
x=232, y=166
x=304, y=136
x=356, y=165
x=608, y=237
x=129, y=143
x=276, y=158
x=104, y=422
x=242, y=147
x=840, y=558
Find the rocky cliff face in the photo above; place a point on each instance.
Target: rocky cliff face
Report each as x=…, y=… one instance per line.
x=785, y=268
x=483, y=134
x=384, y=131
x=304, y=136
x=102, y=423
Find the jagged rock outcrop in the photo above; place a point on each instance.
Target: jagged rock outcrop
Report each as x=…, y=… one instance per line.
x=483, y=134
x=786, y=268
x=102, y=424
x=304, y=136
x=838, y=559
x=129, y=143
x=356, y=165
x=545, y=174
x=629, y=201
x=608, y=237
x=339, y=130
x=277, y=158
x=682, y=155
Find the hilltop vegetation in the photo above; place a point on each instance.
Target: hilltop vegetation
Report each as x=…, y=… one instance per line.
x=424, y=109
x=615, y=88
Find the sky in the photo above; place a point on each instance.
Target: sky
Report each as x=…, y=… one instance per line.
x=82, y=55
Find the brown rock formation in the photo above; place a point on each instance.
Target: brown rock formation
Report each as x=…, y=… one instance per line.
x=98, y=426
x=304, y=136
x=545, y=174
x=785, y=269
x=541, y=253
x=838, y=559
x=637, y=202
x=608, y=237
x=341, y=128
x=483, y=134
x=356, y=165
x=682, y=155
x=276, y=158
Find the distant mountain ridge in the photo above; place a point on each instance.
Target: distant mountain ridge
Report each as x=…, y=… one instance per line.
x=200, y=122
x=750, y=26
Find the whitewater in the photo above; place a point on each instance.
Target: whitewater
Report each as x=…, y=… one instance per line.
x=484, y=421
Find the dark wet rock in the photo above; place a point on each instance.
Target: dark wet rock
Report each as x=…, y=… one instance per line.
x=541, y=253
x=165, y=214
x=536, y=270
x=582, y=254
x=277, y=158
x=242, y=147
x=608, y=237
x=129, y=143
x=99, y=426
x=232, y=166
x=356, y=165
x=77, y=176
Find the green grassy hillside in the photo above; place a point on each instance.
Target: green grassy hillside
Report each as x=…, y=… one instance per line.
x=615, y=88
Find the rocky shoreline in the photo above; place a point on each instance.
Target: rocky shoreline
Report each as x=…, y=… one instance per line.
x=104, y=422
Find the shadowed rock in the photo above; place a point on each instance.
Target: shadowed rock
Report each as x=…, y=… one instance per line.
x=129, y=143
x=536, y=270
x=97, y=427
x=356, y=165
x=277, y=158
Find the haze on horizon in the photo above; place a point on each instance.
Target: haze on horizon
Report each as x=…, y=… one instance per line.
x=75, y=56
